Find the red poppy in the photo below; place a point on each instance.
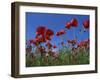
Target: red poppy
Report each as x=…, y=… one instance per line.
x=61, y=32
x=40, y=30
x=47, y=37
x=42, y=39
x=74, y=22
x=68, y=25
x=83, y=43
x=43, y=34
x=72, y=41
x=58, y=33
x=87, y=41
x=54, y=46
x=49, y=32
x=86, y=24
x=37, y=39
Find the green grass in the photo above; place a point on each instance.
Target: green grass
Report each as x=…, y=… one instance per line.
x=65, y=58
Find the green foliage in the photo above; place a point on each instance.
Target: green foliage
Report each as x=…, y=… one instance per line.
x=65, y=58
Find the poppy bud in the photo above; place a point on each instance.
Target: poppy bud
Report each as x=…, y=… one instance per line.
x=68, y=25
x=86, y=24
x=74, y=22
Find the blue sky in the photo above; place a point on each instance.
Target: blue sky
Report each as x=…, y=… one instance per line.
x=55, y=22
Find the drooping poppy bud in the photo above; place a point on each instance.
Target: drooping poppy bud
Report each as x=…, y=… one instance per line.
x=74, y=22
x=86, y=24
x=61, y=32
x=68, y=25
x=57, y=34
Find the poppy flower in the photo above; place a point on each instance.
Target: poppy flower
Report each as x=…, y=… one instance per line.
x=42, y=39
x=68, y=25
x=86, y=24
x=61, y=32
x=87, y=41
x=40, y=30
x=72, y=41
x=47, y=37
x=54, y=46
x=58, y=33
x=83, y=43
x=74, y=22
x=49, y=32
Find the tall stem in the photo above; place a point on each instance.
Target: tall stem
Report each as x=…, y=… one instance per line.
x=73, y=33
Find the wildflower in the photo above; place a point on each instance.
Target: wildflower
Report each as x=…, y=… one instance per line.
x=58, y=33
x=68, y=25
x=61, y=32
x=40, y=30
x=49, y=32
x=47, y=37
x=74, y=22
x=86, y=24
x=73, y=42
x=84, y=43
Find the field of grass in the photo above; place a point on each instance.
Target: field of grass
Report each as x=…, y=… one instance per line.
x=65, y=57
